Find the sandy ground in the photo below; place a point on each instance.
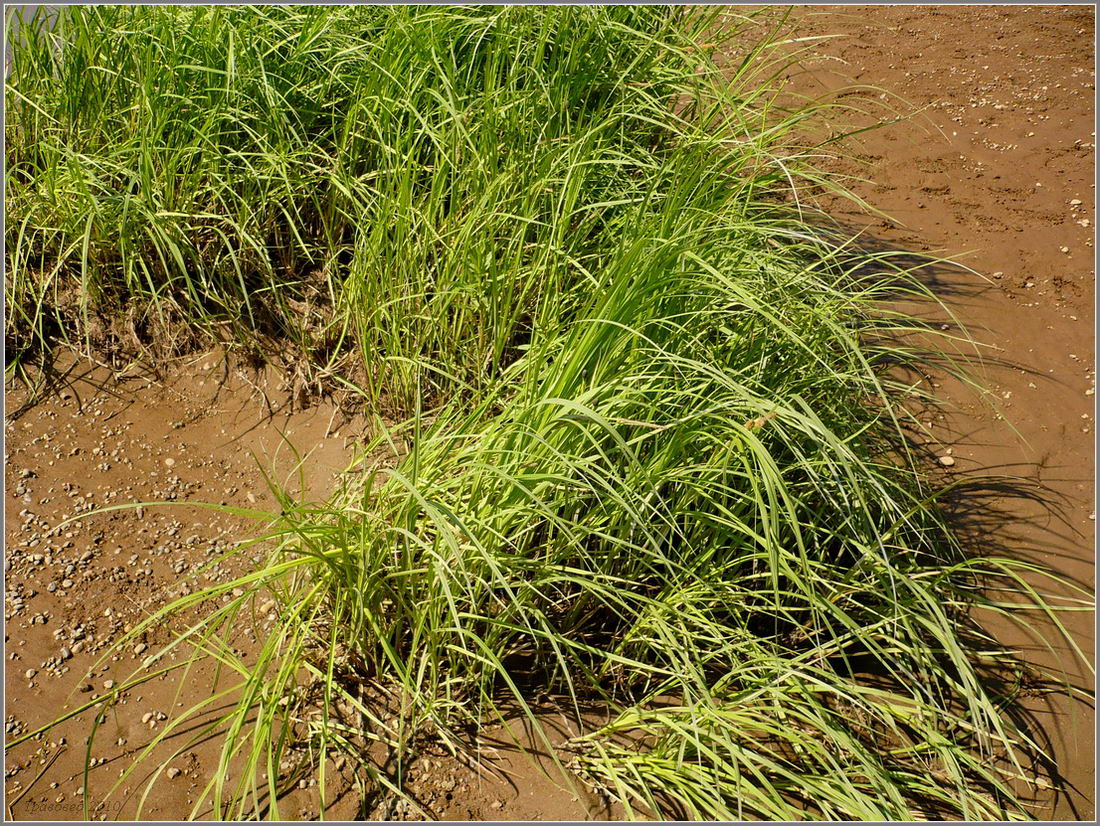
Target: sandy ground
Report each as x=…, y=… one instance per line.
x=995, y=168
x=203, y=433
x=998, y=164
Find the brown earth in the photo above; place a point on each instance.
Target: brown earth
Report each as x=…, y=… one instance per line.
x=992, y=165
x=206, y=433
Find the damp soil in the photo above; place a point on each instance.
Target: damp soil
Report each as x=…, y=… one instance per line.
x=994, y=166
x=995, y=161
x=199, y=430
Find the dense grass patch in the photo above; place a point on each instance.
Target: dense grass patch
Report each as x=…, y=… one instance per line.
x=400, y=183
x=653, y=448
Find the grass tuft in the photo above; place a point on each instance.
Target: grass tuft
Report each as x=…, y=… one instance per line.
x=653, y=455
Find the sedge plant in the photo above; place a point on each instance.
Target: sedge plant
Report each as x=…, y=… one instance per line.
x=653, y=456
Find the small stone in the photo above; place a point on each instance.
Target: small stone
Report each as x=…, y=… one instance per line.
x=169, y=462
x=173, y=773
x=108, y=684
x=140, y=648
x=65, y=653
x=1090, y=392
x=66, y=583
x=1075, y=202
x=146, y=717
x=29, y=674
x=1064, y=249
x=251, y=497
x=947, y=461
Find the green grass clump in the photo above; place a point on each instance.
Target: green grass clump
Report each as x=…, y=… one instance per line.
x=396, y=183
x=655, y=459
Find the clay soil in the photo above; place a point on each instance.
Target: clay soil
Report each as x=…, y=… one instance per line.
x=994, y=166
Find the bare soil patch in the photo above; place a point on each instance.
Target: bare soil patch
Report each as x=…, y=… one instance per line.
x=995, y=168
x=205, y=430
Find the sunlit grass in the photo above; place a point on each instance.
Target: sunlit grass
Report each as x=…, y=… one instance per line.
x=652, y=448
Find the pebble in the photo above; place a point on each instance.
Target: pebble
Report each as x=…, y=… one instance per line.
x=29, y=674
x=170, y=462
x=65, y=653
x=173, y=773
x=140, y=647
x=947, y=461
x=1075, y=202
x=108, y=684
